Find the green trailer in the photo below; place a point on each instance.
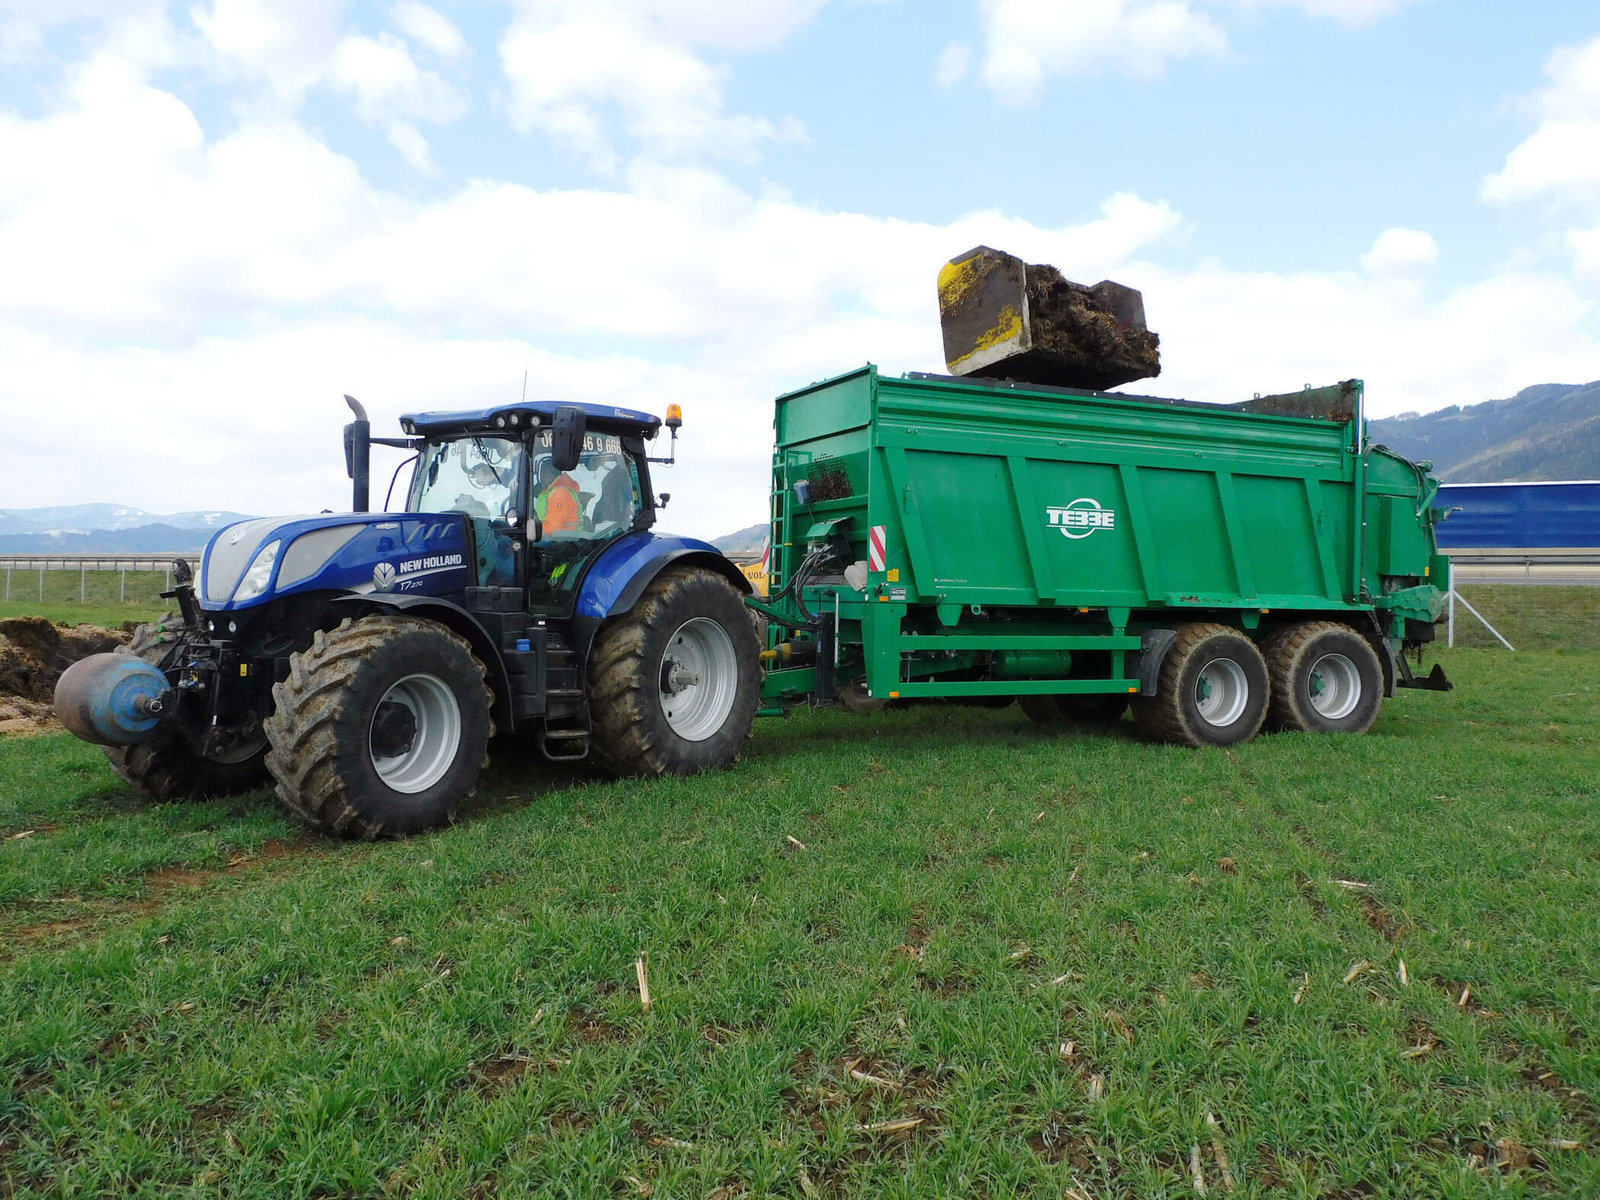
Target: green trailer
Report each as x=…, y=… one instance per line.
x=1215, y=567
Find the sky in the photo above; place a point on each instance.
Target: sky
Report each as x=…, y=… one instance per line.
x=218, y=216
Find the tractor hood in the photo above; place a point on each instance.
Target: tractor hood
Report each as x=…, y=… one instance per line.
x=253, y=562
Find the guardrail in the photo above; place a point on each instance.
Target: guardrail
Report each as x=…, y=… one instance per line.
x=1548, y=567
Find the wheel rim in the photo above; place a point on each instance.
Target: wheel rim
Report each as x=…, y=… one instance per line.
x=1335, y=686
x=699, y=679
x=415, y=733
x=1221, y=692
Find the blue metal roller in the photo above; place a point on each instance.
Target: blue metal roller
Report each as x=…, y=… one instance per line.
x=112, y=699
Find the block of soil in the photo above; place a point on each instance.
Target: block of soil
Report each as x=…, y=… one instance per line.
x=1006, y=319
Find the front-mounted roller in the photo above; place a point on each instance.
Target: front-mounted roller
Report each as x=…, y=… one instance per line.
x=1006, y=319
x=134, y=703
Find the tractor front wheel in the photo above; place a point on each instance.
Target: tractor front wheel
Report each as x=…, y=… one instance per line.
x=674, y=683
x=380, y=728
x=167, y=766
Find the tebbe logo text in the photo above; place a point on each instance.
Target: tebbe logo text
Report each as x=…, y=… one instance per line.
x=1081, y=517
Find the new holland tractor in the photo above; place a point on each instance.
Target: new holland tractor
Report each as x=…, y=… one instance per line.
x=364, y=660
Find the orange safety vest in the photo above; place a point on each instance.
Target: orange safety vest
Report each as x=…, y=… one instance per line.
x=557, y=506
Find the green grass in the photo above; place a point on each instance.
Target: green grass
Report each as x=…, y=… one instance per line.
x=95, y=598
x=459, y=1016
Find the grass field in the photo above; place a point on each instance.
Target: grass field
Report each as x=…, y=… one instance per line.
x=1003, y=962
x=94, y=597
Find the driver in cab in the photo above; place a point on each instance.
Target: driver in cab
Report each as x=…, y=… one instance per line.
x=557, y=504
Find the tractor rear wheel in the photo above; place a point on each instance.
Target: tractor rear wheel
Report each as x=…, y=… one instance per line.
x=674, y=683
x=1326, y=678
x=1212, y=690
x=1094, y=708
x=381, y=727
x=165, y=766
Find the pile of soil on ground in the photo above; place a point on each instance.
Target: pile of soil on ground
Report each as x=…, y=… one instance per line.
x=1080, y=338
x=33, y=653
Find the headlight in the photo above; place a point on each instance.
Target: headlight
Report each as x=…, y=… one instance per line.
x=260, y=572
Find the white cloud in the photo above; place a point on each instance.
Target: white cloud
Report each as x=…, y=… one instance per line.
x=1400, y=250
x=1030, y=40
x=231, y=287
x=429, y=28
x=1560, y=160
x=392, y=92
x=584, y=74
x=1350, y=13
x=1558, y=164
x=955, y=60
x=283, y=46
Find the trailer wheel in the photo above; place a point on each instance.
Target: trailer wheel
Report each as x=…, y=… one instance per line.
x=674, y=683
x=1095, y=708
x=166, y=767
x=380, y=728
x=1326, y=678
x=1212, y=690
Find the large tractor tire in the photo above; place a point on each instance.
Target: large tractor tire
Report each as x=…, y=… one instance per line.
x=1095, y=708
x=1326, y=678
x=381, y=727
x=674, y=683
x=166, y=767
x=1212, y=690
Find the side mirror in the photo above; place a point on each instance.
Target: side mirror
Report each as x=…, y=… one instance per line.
x=566, y=437
x=662, y=498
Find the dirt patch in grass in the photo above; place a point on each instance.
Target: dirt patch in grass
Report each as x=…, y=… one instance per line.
x=495, y=1075
x=161, y=883
x=1064, y=1140
x=33, y=653
x=593, y=1029
x=1382, y=920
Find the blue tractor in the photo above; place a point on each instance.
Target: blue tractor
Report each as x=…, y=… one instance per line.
x=364, y=660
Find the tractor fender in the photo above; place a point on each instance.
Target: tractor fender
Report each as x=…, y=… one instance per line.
x=627, y=567
x=453, y=617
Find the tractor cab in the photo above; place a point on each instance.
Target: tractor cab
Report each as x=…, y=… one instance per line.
x=544, y=488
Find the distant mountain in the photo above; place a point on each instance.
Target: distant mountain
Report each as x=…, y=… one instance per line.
x=745, y=541
x=106, y=529
x=96, y=518
x=145, y=539
x=1549, y=431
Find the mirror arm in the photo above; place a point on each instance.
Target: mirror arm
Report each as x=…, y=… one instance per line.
x=672, y=455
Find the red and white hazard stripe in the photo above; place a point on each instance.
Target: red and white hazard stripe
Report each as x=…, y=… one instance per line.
x=875, y=544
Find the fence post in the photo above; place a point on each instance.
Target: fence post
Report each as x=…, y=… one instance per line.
x=83, y=582
x=41, y=585
x=169, y=580
x=123, y=598
x=1450, y=629
x=8, y=583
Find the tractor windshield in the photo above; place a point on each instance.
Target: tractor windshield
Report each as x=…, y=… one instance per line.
x=476, y=476
x=597, y=499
